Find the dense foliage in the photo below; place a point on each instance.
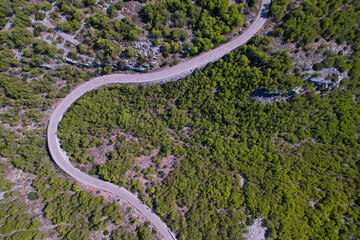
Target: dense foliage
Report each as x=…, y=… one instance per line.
x=168, y=19
x=330, y=19
x=299, y=157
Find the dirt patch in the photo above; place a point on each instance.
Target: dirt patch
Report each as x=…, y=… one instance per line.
x=242, y=181
x=159, y=173
x=145, y=161
x=256, y=231
x=131, y=10
x=99, y=153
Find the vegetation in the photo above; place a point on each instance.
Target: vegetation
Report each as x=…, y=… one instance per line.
x=168, y=19
x=27, y=90
x=14, y=218
x=28, y=152
x=292, y=153
x=328, y=19
x=299, y=155
x=103, y=33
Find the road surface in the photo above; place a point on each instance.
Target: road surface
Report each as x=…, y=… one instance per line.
x=169, y=74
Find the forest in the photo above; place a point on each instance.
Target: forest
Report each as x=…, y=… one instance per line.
x=168, y=19
x=293, y=162
x=299, y=157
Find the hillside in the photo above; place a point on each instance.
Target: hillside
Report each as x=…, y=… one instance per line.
x=263, y=143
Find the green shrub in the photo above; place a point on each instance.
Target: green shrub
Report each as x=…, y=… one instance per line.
x=33, y=196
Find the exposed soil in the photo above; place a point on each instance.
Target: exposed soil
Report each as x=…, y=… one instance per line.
x=256, y=231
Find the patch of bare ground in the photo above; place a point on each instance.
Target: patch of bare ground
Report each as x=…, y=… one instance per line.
x=4, y=110
x=271, y=99
x=242, y=180
x=147, y=161
x=296, y=145
x=312, y=203
x=281, y=141
x=84, y=167
x=161, y=170
x=305, y=57
x=129, y=136
x=186, y=132
x=182, y=210
x=99, y=153
x=168, y=163
x=256, y=231
x=131, y=10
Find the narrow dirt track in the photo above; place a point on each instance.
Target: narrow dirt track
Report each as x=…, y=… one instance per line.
x=169, y=74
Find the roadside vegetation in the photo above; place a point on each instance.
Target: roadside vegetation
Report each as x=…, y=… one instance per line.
x=204, y=152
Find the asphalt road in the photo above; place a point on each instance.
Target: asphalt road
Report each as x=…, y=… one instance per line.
x=169, y=74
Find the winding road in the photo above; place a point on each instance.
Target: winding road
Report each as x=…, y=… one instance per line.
x=169, y=74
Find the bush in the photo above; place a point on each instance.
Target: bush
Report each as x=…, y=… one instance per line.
x=112, y=11
x=250, y=221
x=329, y=62
x=318, y=66
x=89, y=2
x=130, y=52
x=340, y=40
x=33, y=196
x=119, y=5
x=39, y=16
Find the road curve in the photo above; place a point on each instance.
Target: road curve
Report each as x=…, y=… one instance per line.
x=176, y=72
